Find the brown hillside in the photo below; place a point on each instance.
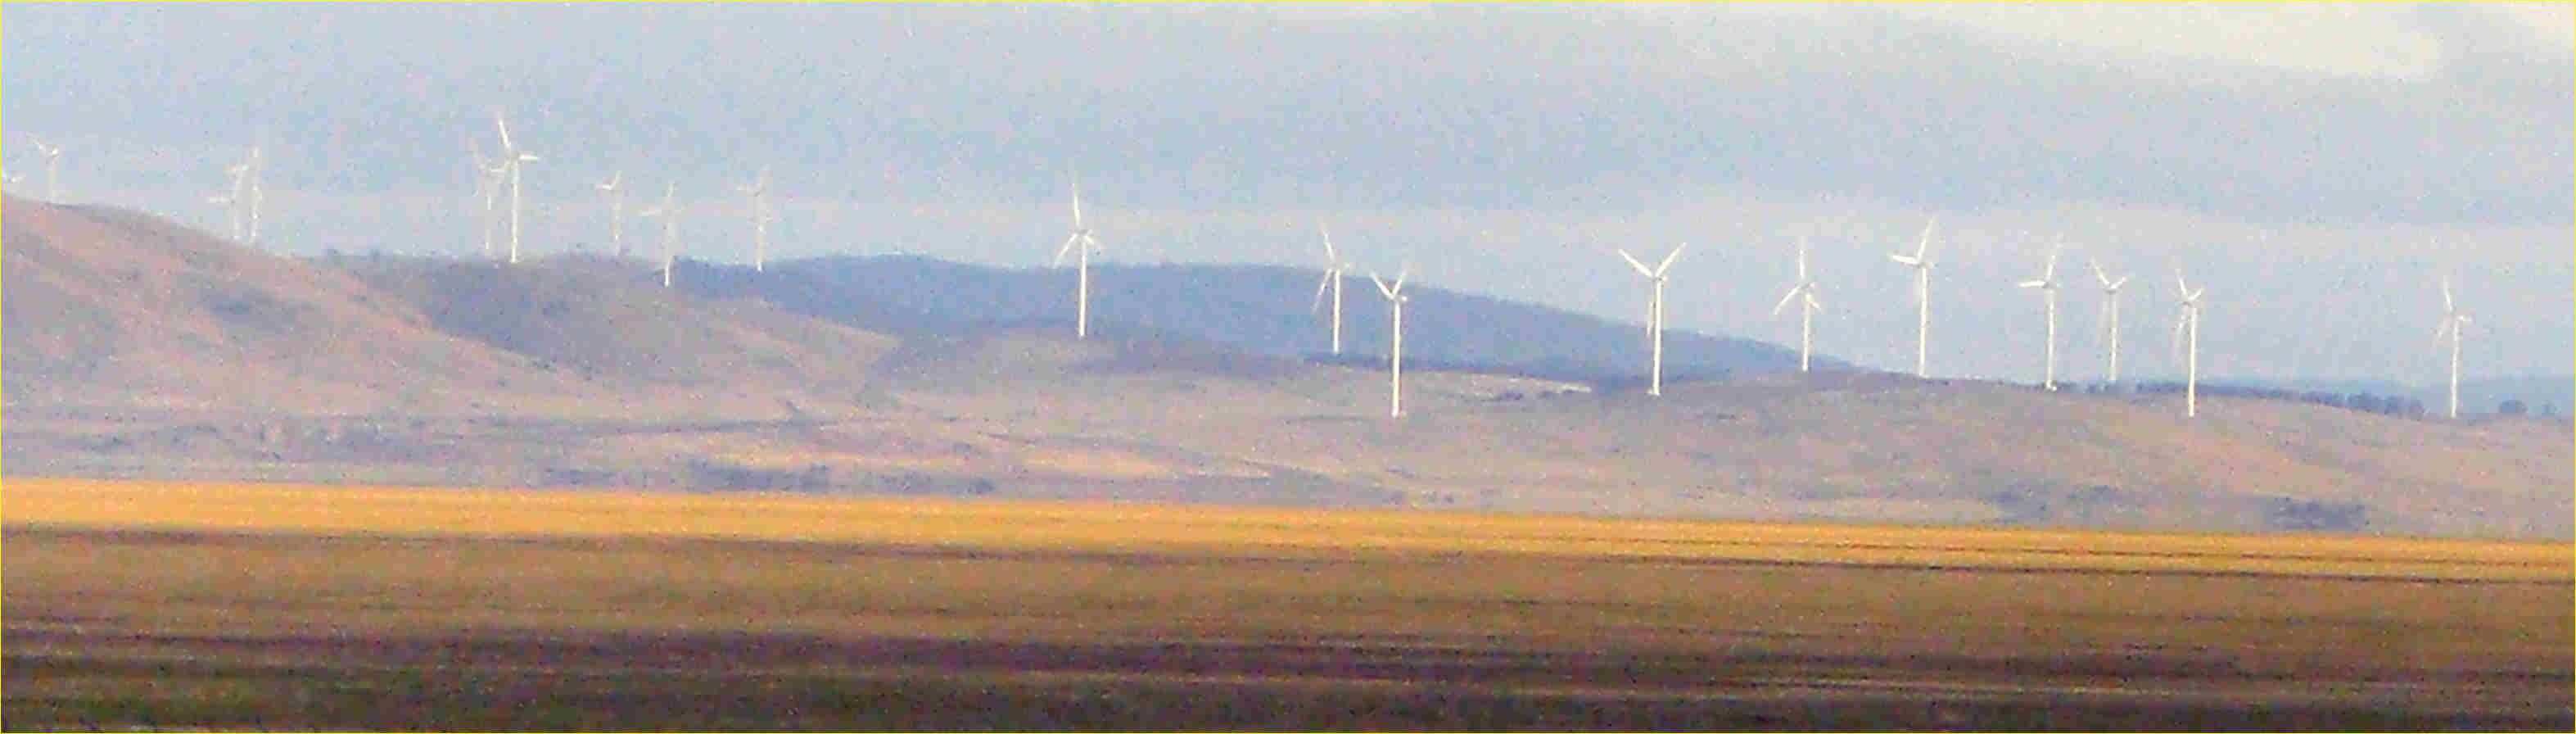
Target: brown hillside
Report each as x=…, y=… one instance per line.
x=104, y=306
x=609, y=323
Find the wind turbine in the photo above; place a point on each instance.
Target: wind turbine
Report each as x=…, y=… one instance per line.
x=53, y=169
x=1395, y=299
x=616, y=212
x=2454, y=323
x=1080, y=244
x=1804, y=292
x=1921, y=262
x=255, y=169
x=488, y=174
x=2111, y=315
x=1333, y=267
x=513, y=158
x=669, y=211
x=2047, y=285
x=2189, y=327
x=231, y=198
x=758, y=190
x=1655, y=314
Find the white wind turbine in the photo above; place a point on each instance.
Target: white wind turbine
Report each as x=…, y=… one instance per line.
x=53, y=169
x=1395, y=299
x=1080, y=244
x=2047, y=285
x=758, y=190
x=2111, y=315
x=1333, y=267
x=1803, y=292
x=616, y=212
x=2454, y=323
x=231, y=198
x=488, y=176
x=1655, y=314
x=257, y=196
x=2188, y=327
x=514, y=159
x=1921, y=262
x=669, y=212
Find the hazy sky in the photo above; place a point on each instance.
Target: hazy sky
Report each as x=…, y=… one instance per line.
x=2313, y=165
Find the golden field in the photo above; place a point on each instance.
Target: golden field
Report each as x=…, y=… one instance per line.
x=1140, y=527
x=225, y=595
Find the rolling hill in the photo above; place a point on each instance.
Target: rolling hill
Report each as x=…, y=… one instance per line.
x=140, y=348
x=1256, y=309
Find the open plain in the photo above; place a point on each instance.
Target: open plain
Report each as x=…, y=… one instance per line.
x=203, y=605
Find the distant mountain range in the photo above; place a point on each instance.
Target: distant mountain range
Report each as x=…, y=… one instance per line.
x=1262, y=309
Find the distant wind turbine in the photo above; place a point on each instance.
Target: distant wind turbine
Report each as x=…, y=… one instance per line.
x=1080, y=244
x=616, y=212
x=1395, y=299
x=53, y=169
x=2047, y=285
x=1921, y=262
x=2454, y=323
x=1804, y=293
x=2111, y=315
x=489, y=174
x=232, y=196
x=255, y=185
x=1333, y=267
x=669, y=212
x=1655, y=314
x=515, y=159
x=2188, y=328
x=758, y=190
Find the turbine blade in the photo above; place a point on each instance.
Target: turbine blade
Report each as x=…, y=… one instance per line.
x=1069, y=241
x=1330, y=257
x=1813, y=303
x=2115, y=285
x=1401, y=273
x=2446, y=295
x=1923, y=247
x=1785, y=298
x=1320, y=287
x=506, y=147
x=2034, y=284
x=1667, y=264
x=1632, y=262
x=1077, y=202
x=1908, y=260
x=2098, y=275
x=1381, y=286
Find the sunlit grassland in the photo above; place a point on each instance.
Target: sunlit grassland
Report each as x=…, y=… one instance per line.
x=1273, y=532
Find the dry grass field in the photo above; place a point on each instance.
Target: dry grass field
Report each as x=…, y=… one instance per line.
x=151, y=604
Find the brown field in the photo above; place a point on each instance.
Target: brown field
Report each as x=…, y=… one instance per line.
x=145, y=604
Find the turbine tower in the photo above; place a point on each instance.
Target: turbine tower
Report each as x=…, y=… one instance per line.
x=232, y=197
x=616, y=212
x=514, y=159
x=669, y=212
x=1395, y=299
x=1655, y=314
x=1921, y=262
x=2111, y=315
x=2188, y=327
x=1804, y=292
x=53, y=169
x=2453, y=324
x=758, y=190
x=2047, y=285
x=1079, y=244
x=1333, y=267
x=255, y=170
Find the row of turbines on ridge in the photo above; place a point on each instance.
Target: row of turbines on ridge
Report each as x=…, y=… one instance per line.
x=243, y=195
